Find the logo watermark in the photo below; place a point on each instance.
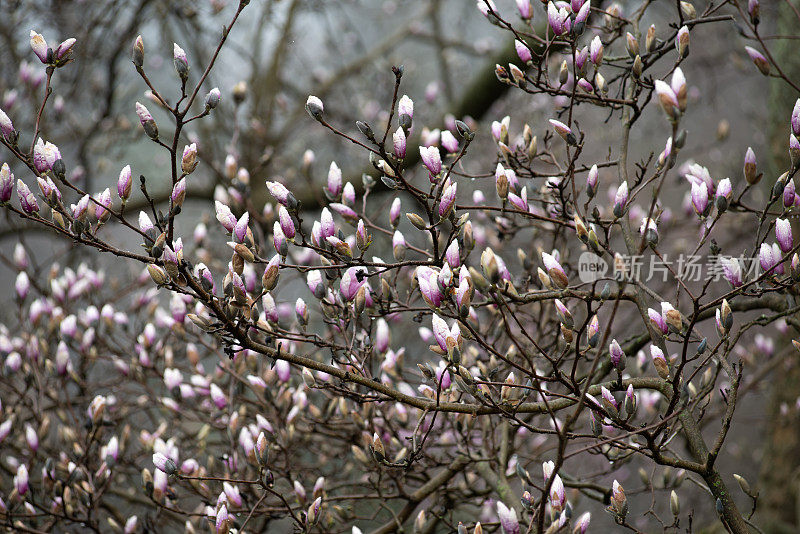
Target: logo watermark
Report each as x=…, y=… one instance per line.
x=689, y=268
x=591, y=267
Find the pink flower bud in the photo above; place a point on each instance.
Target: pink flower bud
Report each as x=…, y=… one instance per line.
x=21, y=480
x=221, y=523
x=345, y=211
x=399, y=143
x=224, y=216
x=398, y=245
x=405, y=106
x=582, y=15
x=449, y=142
x=564, y=131
x=49, y=190
x=65, y=48
x=621, y=200
x=22, y=285
x=682, y=41
x=212, y=98
x=657, y=321
x=180, y=61
x=6, y=183
x=508, y=519
x=164, y=464
x=724, y=193
x=279, y=240
x=26, y=199
x=732, y=270
x=447, y=202
x=124, y=183
x=795, y=122
x=582, y=524
x=525, y=9
x=452, y=255
x=555, y=271
x=217, y=397
x=147, y=121
x=523, y=52
x=286, y=222
x=334, y=187
x=394, y=212
x=352, y=280
x=6, y=127
x=700, y=199
x=429, y=286
x=189, y=158
x=758, y=59
x=103, y=205
x=789, y=193
x=766, y=258
x=349, y=196
x=179, y=193
x=39, y=46
x=145, y=224
x=617, y=355
x=783, y=234
x=431, y=159
x=281, y=194
x=596, y=51
x=668, y=99
x=558, y=497
x=556, y=19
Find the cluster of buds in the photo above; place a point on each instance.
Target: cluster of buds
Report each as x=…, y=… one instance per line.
x=47, y=55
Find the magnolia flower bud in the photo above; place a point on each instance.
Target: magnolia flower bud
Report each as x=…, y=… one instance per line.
x=27, y=199
x=40, y=48
x=508, y=517
x=6, y=183
x=147, y=121
x=212, y=98
x=189, y=158
x=650, y=40
x=564, y=131
x=609, y=402
x=564, y=314
x=124, y=183
x=314, y=107
x=682, y=41
x=758, y=59
x=431, y=159
x=593, y=331
x=180, y=61
x=179, y=193
x=137, y=55
x=555, y=271
x=621, y=200
x=659, y=362
x=783, y=234
x=619, y=503
x=158, y=274
x=596, y=51
x=631, y=45
x=7, y=127
x=630, y=401
x=617, y=355
x=164, y=464
x=750, y=167
x=523, y=52
x=723, y=195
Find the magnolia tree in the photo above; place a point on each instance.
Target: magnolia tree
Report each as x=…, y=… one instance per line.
x=431, y=348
